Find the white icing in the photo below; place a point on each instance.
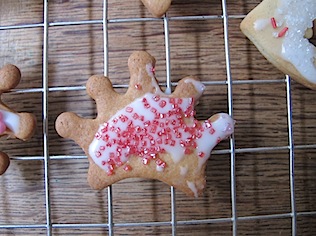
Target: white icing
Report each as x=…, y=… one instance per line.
x=193, y=188
x=223, y=128
x=199, y=87
x=150, y=71
x=159, y=168
x=261, y=24
x=297, y=16
x=156, y=86
x=151, y=124
x=11, y=120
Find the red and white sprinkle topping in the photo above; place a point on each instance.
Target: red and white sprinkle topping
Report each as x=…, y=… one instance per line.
x=155, y=124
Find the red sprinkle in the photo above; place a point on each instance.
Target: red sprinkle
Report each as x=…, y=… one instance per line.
x=153, y=70
x=145, y=161
x=283, y=32
x=273, y=23
x=129, y=109
x=98, y=135
x=98, y=154
x=159, y=161
x=212, y=131
x=105, y=128
x=123, y=118
x=156, y=98
x=135, y=116
x=159, y=140
x=162, y=116
x=201, y=154
x=127, y=168
x=138, y=86
x=162, y=103
x=187, y=151
x=153, y=110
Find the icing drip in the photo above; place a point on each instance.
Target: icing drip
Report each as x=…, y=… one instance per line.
x=193, y=188
x=153, y=124
x=151, y=72
x=9, y=120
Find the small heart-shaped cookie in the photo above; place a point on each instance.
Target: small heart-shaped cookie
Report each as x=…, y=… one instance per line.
x=280, y=30
x=157, y=7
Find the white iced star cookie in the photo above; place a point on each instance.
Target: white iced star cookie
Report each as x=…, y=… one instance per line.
x=281, y=29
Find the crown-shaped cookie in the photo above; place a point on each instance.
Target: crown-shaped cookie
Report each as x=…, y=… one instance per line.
x=145, y=132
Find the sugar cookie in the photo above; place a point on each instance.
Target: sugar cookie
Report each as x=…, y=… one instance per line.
x=157, y=7
x=12, y=124
x=4, y=162
x=145, y=132
x=280, y=30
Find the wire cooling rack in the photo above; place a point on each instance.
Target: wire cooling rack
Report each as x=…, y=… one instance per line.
x=286, y=220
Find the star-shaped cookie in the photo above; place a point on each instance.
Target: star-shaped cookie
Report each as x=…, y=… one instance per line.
x=12, y=124
x=281, y=29
x=145, y=132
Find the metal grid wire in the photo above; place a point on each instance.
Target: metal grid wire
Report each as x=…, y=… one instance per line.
x=45, y=90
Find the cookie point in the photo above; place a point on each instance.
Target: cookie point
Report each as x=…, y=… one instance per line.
x=4, y=162
x=157, y=7
x=136, y=55
x=139, y=59
x=199, y=87
x=10, y=77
